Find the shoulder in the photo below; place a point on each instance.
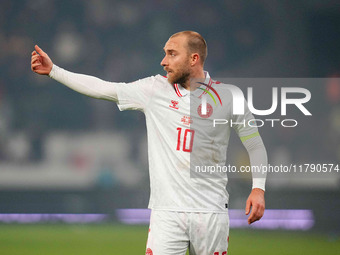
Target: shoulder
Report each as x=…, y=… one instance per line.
x=224, y=90
x=152, y=84
x=161, y=79
x=155, y=78
x=150, y=80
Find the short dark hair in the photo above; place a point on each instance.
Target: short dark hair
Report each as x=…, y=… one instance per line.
x=196, y=43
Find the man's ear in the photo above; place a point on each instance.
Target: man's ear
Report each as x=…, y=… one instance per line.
x=195, y=58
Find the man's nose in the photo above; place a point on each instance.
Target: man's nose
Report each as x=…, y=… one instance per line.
x=164, y=61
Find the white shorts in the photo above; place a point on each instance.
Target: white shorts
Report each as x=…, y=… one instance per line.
x=172, y=233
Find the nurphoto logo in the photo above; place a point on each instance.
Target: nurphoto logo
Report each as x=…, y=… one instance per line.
x=238, y=105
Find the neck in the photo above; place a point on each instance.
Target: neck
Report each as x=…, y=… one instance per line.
x=199, y=74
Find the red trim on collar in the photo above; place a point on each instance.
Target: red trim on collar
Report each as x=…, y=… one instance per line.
x=177, y=90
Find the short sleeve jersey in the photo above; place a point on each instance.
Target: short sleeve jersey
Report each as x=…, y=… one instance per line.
x=171, y=140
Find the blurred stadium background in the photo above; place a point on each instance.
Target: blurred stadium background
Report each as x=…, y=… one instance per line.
x=73, y=170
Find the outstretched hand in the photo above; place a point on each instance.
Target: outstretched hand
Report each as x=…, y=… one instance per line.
x=40, y=62
x=256, y=203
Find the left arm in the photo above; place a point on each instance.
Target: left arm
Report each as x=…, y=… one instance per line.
x=252, y=141
x=258, y=158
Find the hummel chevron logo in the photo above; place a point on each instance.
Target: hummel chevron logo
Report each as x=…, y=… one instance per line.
x=174, y=104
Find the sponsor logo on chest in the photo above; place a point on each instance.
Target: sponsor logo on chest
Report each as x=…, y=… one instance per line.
x=174, y=104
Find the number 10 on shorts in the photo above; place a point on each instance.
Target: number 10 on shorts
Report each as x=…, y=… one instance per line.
x=185, y=139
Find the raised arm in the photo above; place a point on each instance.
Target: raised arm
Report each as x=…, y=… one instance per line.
x=87, y=85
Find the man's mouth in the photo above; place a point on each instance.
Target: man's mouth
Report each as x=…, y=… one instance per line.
x=168, y=71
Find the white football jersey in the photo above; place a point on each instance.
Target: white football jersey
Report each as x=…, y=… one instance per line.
x=174, y=144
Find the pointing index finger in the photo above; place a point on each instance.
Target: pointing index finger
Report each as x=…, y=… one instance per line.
x=40, y=51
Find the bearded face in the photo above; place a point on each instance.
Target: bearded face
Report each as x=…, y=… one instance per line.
x=179, y=74
x=176, y=61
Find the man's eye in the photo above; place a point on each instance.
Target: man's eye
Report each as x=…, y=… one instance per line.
x=172, y=54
